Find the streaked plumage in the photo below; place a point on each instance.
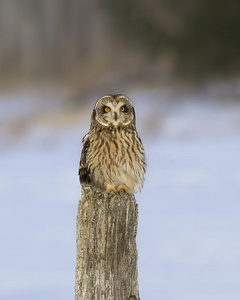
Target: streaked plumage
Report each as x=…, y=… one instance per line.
x=113, y=155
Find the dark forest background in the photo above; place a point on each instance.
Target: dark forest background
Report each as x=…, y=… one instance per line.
x=93, y=39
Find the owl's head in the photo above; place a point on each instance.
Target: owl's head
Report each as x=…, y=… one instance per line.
x=114, y=110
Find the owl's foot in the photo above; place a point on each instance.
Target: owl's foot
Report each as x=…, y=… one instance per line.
x=110, y=188
x=123, y=187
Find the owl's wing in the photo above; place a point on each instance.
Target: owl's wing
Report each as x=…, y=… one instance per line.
x=84, y=172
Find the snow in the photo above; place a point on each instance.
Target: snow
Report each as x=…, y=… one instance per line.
x=188, y=233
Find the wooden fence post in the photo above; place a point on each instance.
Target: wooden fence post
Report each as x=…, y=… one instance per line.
x=106, y=266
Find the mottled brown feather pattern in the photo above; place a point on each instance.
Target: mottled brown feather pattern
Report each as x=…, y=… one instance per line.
x=113, y=154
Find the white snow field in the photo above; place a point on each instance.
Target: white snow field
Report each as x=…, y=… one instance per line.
x=189, y=209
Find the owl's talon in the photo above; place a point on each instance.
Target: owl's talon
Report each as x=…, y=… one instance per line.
x=123, y=187
x=110, y=188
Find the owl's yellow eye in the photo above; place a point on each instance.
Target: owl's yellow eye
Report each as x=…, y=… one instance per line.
x=107, y=109
x=122, y=108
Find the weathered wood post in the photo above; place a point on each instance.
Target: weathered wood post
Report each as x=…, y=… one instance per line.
x=106, y=246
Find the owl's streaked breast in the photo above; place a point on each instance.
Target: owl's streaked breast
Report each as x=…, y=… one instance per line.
x=116, y=156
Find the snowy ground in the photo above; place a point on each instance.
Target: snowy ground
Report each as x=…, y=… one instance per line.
x=188, y=234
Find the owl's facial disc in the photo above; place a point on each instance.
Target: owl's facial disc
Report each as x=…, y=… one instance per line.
x=114, y=112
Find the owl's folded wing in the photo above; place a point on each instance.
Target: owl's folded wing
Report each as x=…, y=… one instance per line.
x=84, y=172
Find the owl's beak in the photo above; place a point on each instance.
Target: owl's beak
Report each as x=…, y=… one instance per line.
x=115, y=116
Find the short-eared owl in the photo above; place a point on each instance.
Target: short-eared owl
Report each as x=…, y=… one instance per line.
x=113, y=156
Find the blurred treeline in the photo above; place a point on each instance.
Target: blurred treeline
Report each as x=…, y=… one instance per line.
x=94, y=37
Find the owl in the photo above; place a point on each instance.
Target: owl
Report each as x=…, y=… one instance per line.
x=113, y=156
